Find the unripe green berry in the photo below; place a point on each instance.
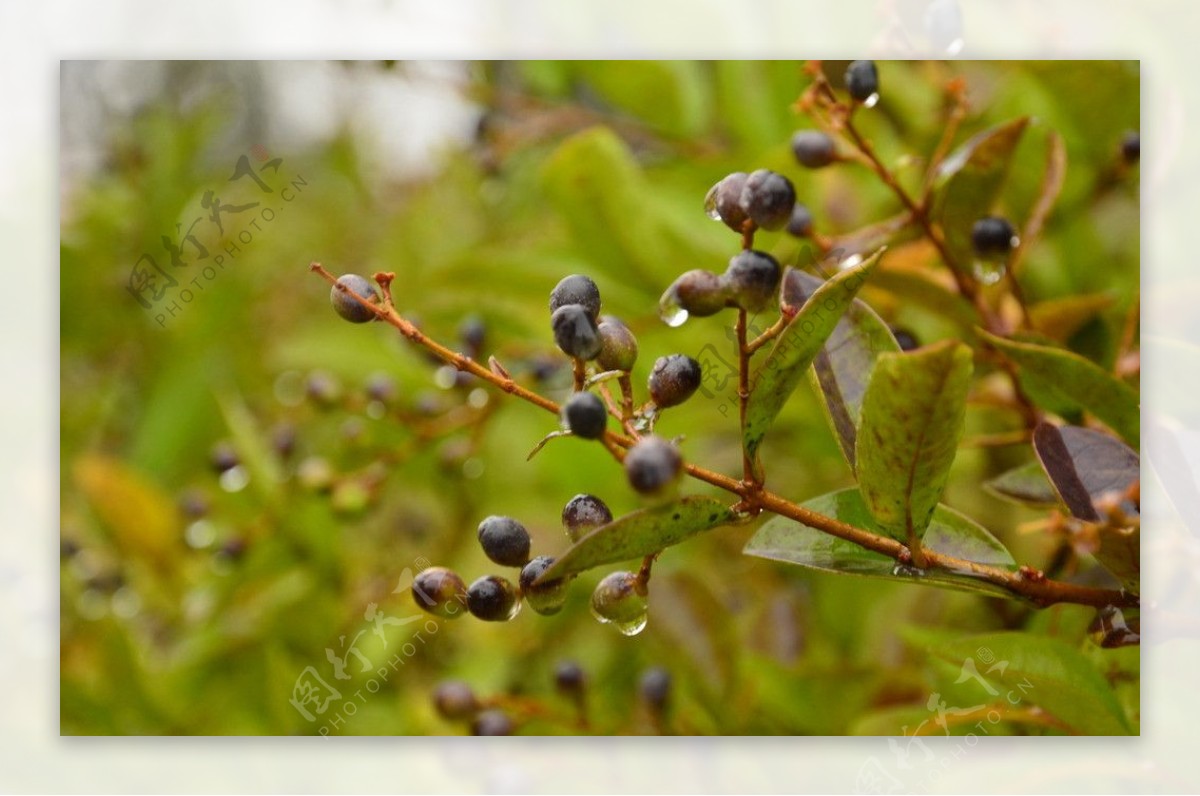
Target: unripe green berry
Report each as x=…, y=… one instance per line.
x=346, y=305
x=575, y=332
x=673, y=379
x=439, y=591
x=862, y=80
x=752, y=279
x=544, y=598
x=724, y=201
x=493, y=599
x=576, y=289
x=455, y=700
x=618, y=346
x=813, y=149
x=583, y=514
x=504, y=540
x=768, y=198
x=652, y=465
x=585, y=416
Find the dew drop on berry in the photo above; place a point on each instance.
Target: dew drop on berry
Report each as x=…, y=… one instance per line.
x=630, y=626
x=989, y=270
x=907, y=571
x=872, y=100
x=710, y=203
x=671, y=311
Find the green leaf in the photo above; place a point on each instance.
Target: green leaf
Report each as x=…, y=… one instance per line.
x=796, y=348
x=1026, y=485
x=640, y=534
x=950, y=533
x=1077, y=381
x=252, y=445
x=1044, y=672
x=912, y=419
x=842, y=368
x=968, y=182
x=1060, y=318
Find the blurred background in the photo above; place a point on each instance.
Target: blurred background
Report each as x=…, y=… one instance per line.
x=249, y=482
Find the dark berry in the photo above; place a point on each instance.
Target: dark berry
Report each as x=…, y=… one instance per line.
x=576, y=289
x=905, y=339
x=455, y=700
x=862, y=80
x=618, y=346
x=440, y=591
x=1131, y=146
x=381, y=387
x=283, y=440
x=493, y=599
x=194, y=504
x=752, y=279
x=652, y=464
x=655, y=688
x=619, y=600
x=701, y=293
x=504, y=540
x=472, y=332
x=673, y=379
x=349, y=307
x=492, y=722
x=224, y=457
x=724, y=201
x=232, y=549
x=544, y=598
x=575, y=332
x=584, y=513
x=585, y=416
x=323, y=388
x=813, y=149
x=768, y=198
x=992, y=236
x=800, y=224
x=569, y=677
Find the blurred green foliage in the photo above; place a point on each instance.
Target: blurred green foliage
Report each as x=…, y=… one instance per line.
x=174, y=624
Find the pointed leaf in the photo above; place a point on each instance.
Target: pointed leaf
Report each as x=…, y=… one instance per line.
x=843, y=366
x=795, y=349
x=950, y=533
x=140, y=517
x=640, y=534
x=912, y=419
x=968, y=182
x=1077, y=381
x=1040, y=671
x=1027, y=485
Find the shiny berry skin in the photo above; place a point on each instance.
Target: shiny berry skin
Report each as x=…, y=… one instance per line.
x=813, y=149
x=584, y=414
x=504, y=540
x=862, y=79
x=752, y=279
x=544, y=598
x=439, y=591
x=701, y=293
x=346, y=305
x=493, y=599
x=575, y=332
x=654, y=687
x=1131, y=146
x=618, y=599
x=800, y=224
x=455, y=700
x=992, y=236
x=618, y=346
x=652, y=464
x=569, y=677
x=905, y=339
x=673, y=380
x=583, y=514
x=492, y=722
x=576, y=289
x=725, y=199
x=768, y=199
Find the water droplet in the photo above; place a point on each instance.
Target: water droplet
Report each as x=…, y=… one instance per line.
x=907, y=571
x=670, y=311
x=710, y=204
x=235, y=479
x=472, y=468
x=850, y=262
x=989, y=271
x=376, y=410
x=478, y=398
x=633, y=620
x=1113, y=627
x=200, y=534
x=871, y=101
x=445, y=377
x=126, y=603
x=516, y=609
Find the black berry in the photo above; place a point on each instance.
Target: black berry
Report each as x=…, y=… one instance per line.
x=654, y=687
x=752, y=279
x=569, y=677
x=701, y=293
x=584, y=513
x=575, y=332
x=493, y=599
x=584, y=414
x=673, y=379
x=504, y=540
x=800, y=224
x=768, y=198
x=544, y=598
x=349, y=307
x=224, y=457
x=724, y=201
x=576, y=289
x=618, y=346
x=381, y=387
x=992, y=236
x=862, y=80
x=472, y=332
x=283, y=439
x=439, y=591
x=652, y=464
x=455, y=700
x=905, y=339
x=1131, y=146
x=492, y=722
x=322, y=388
x=813, y=149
